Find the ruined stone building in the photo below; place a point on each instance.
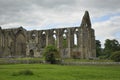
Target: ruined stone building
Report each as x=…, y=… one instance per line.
x=18, y=42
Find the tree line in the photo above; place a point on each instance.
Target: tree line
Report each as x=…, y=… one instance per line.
x=111, y=50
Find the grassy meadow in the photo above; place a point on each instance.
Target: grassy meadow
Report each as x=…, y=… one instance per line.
x=59, y=72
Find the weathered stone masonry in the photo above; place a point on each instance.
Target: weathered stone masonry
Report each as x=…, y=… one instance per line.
x=21, y=43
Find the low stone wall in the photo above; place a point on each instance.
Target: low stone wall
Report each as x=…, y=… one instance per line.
x=91, y=63
x=21, y=61
x=10, y=61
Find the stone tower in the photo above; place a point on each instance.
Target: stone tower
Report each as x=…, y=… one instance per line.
x=88, y=47
x=72, y=42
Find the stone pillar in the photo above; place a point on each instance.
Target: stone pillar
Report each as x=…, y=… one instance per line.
x=81, y=43
x=59, y=38
x=47, y=37
x=93, y=45
x=40, y=39
x=70, y=42
x=84, y=42
x=88, y=46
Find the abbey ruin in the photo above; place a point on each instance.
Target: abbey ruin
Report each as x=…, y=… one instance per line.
x=18, y=42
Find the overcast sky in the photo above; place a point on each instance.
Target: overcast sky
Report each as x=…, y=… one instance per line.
x=47, y=14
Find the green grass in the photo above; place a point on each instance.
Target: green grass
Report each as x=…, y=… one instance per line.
x=60, y=72
x=23, y=72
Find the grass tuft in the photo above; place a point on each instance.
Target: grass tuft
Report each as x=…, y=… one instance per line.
x=23, y=72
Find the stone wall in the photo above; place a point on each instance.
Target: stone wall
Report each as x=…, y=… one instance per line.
x=76, y=42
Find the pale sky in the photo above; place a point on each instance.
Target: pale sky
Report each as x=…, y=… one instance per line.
x=47, y=14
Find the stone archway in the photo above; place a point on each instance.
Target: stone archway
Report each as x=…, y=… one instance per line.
x=20, y=46
x=31, y=53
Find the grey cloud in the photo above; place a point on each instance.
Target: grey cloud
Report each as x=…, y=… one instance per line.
x=10, y=10
x=26, y=11
x=11, y=6
x=106, y=4
x=53, y=3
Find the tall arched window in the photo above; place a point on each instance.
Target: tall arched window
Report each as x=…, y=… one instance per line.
x=76, y=38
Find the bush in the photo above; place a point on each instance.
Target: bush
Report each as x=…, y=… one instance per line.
x=116, y=56
x=50, y=58
x=23, y=72
x=103, y=57
x=51, y=53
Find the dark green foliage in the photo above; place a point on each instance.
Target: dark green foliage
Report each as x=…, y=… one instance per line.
x=23, y=72
x=51, y=53
x=98, y=48
x=110, y=47
x=50, y=58
x=116, y=56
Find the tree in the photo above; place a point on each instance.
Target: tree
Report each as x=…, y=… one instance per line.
x=111, y=46
x=51, y=53
x=98, y=48
x=116, y=56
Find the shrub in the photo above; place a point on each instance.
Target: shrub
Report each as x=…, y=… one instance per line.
x=103, y=57
x=51, y=53
x=23, y=72
x=116, y=56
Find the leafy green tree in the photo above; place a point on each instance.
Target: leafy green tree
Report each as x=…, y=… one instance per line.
x=116, y=56
x=98, y=48
x=111, y=46
x=51, y=53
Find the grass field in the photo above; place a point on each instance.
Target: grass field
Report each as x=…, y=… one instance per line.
x=60, y=72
